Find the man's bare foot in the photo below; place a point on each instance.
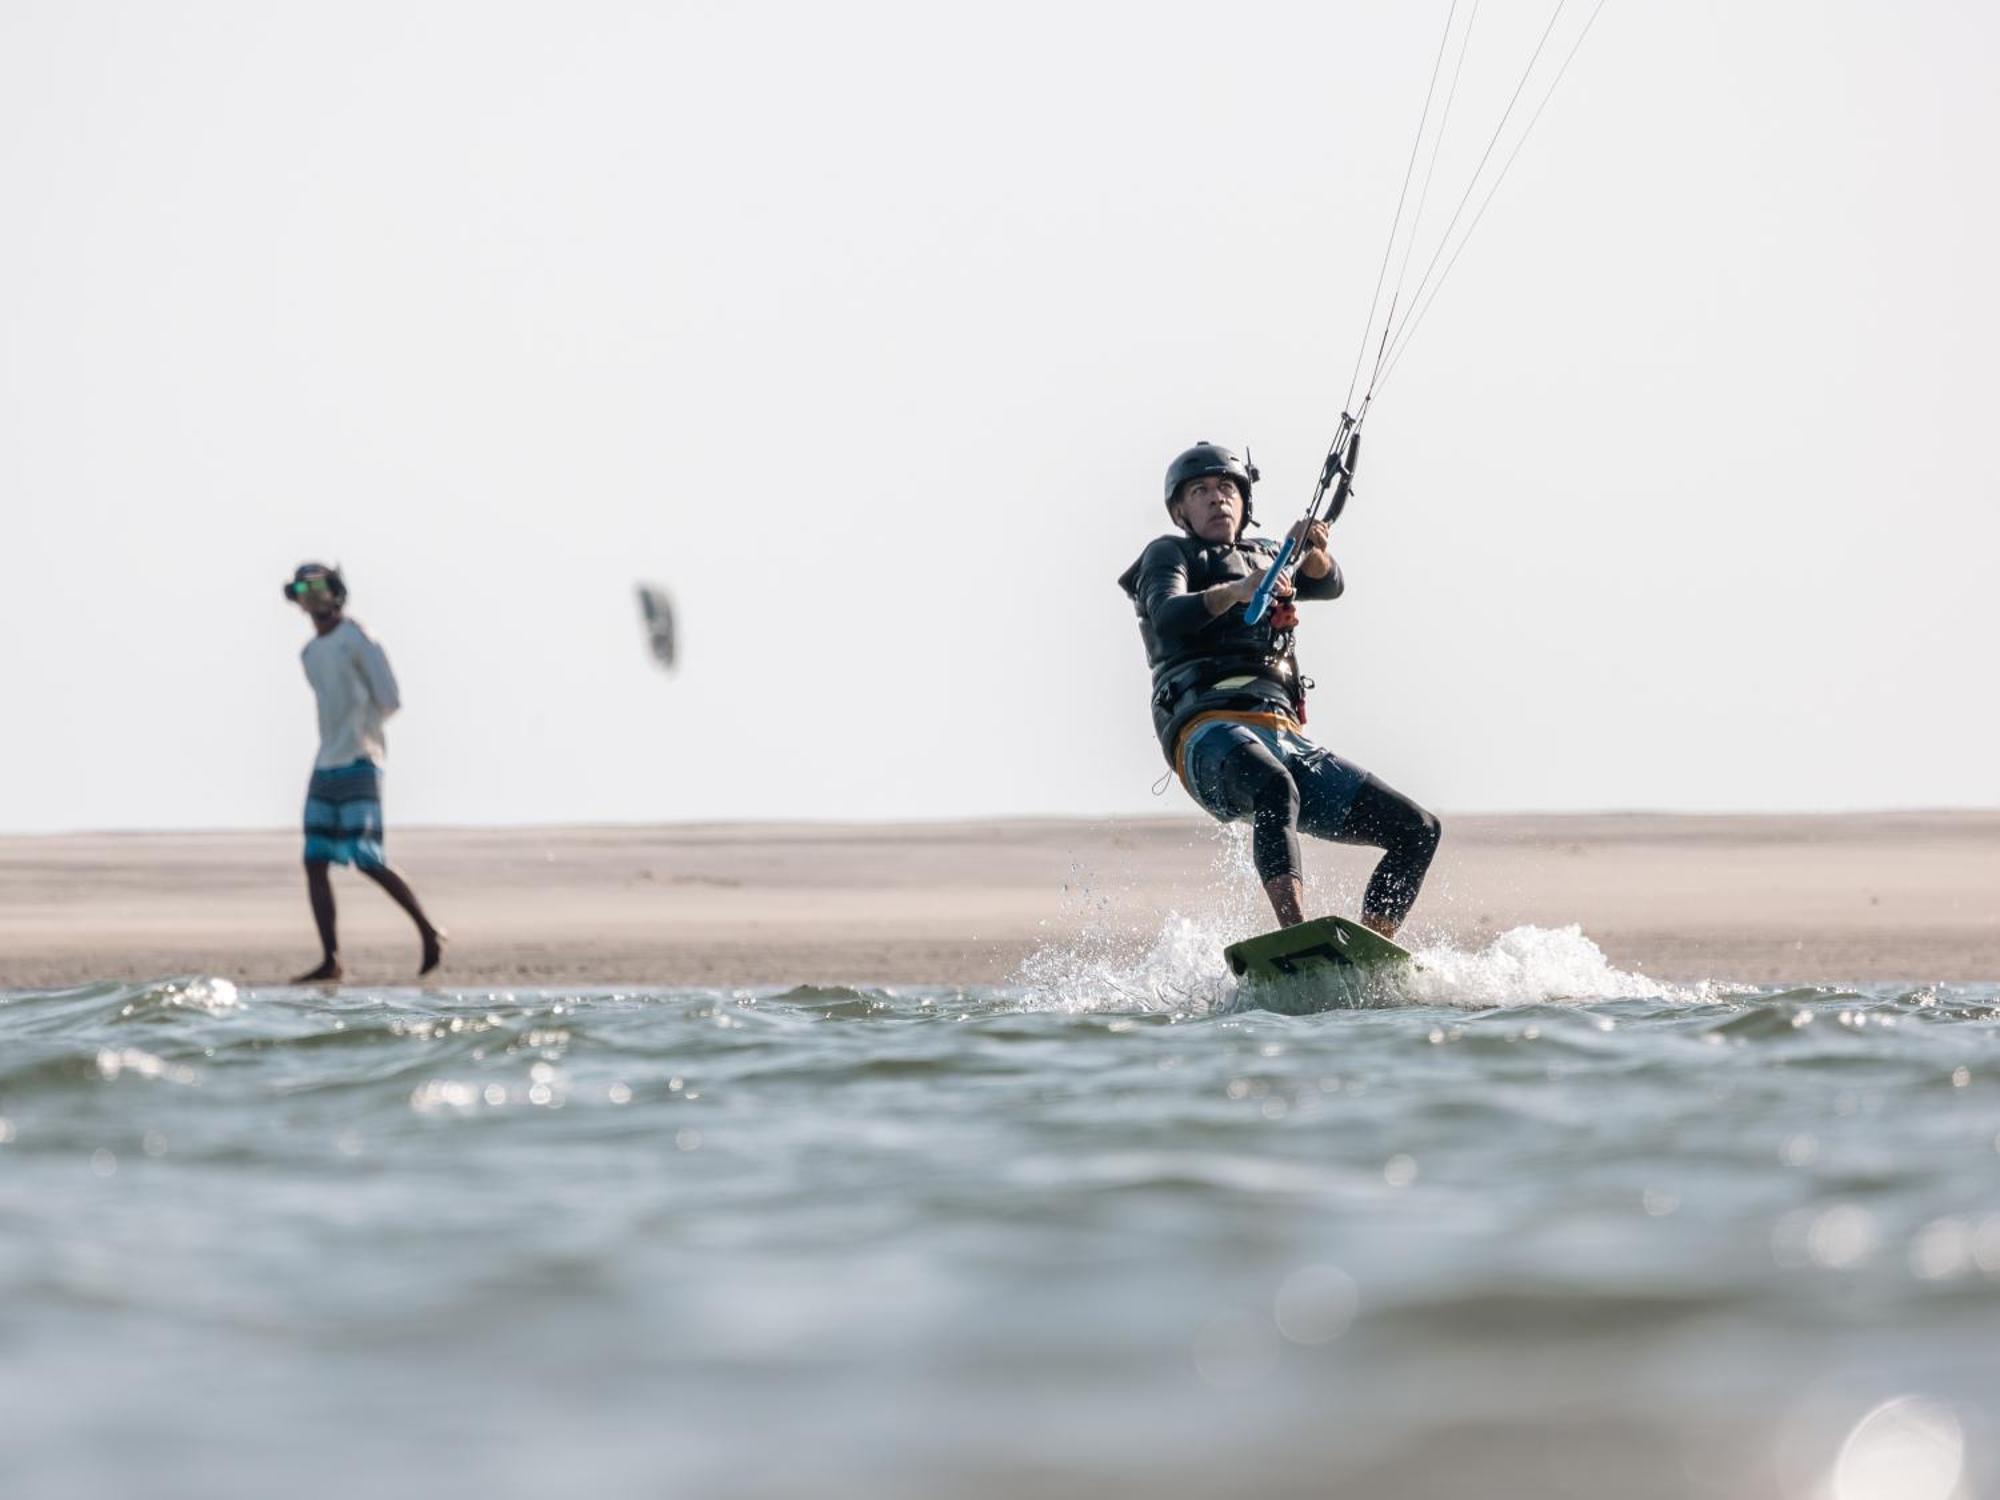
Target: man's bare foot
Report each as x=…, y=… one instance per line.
x=1381, y=926
x=326, y=973
x=434, y=942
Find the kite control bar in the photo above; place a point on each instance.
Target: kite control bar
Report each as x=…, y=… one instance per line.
x=1336, y=481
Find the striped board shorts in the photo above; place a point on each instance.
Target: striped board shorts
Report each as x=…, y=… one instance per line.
x=344, y=816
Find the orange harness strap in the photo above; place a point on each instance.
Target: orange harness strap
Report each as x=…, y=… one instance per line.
x=1272, y=721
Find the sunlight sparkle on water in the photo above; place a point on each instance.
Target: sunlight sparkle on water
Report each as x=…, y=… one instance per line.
x=1906, y=1449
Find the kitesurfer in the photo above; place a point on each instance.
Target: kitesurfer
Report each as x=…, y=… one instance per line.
x=356, y=691
x=1229, y=703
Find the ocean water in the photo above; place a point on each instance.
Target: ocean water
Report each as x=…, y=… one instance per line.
x=1527, y=1225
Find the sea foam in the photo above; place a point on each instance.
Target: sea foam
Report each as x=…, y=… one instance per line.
x=1180, y=969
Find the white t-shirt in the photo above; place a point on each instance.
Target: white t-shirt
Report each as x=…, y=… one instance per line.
x=350, y=676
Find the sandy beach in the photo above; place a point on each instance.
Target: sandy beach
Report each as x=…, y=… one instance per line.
x=1762, y=899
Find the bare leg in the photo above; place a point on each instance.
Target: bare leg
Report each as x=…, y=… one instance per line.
x=400, y=892
x=319, y=890
x=1288, y=899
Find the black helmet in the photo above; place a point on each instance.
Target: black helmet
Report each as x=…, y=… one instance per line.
x=308, y=575
x=1207, y=458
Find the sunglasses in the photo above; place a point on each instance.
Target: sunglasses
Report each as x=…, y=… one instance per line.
x=299, y=588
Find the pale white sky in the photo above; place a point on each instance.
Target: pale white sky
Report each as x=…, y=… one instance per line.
x=868, y=330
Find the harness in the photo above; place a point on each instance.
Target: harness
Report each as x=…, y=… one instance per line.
x=1217, y=687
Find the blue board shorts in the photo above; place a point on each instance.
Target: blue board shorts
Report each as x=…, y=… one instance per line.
x=1327, y=784
x=344, y=816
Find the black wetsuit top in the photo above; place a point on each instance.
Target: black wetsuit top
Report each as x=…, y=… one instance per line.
x=1191, y=650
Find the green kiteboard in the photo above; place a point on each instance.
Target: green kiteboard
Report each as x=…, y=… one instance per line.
x=1324, y=947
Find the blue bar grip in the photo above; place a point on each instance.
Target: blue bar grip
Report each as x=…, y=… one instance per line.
x=1260, y=602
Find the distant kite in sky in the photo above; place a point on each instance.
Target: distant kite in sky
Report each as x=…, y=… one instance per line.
x=657, y=611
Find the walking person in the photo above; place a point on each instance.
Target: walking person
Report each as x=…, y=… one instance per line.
x=356, y=692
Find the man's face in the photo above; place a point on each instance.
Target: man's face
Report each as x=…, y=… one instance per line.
x=315, y=596
x=1211, y=507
